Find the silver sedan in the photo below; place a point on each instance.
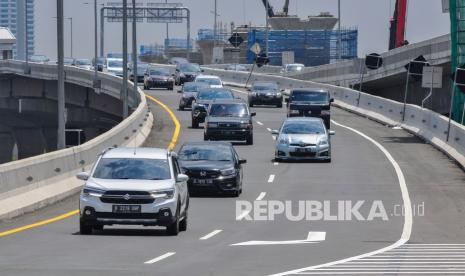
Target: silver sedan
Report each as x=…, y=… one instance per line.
x=303, y=139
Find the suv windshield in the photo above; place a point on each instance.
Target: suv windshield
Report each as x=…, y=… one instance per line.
x=192, y=87
x=265, y=87
x=215, y=94
x=159, y=72
x=115, y=63
x=294, y=68
x=303, y=128
x=229, y=110
x=189, y=67
x=205, y=152
x=82, y=62
x=309, y=96
x=133, y=168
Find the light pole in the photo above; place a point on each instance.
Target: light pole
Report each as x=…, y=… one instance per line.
x=134, y=48
x=266, y=29
x=167, y=27
x=215, y=22
x=61, y=143
x=125, y=60
x=71, y=34
x=339, y=39
x=96, y=84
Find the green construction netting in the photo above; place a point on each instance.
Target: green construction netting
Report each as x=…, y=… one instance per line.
x=457, y=23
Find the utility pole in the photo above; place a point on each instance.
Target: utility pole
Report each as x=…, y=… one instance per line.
x=167, y=27
x=61, y=143
x=26, y=37
x=102, y=31
x=215, y=23
x=339, y=39
x=134, y=47
x=95, y=45
x=125, y=60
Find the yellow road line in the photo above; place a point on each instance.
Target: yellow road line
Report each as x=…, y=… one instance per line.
x=172, y=144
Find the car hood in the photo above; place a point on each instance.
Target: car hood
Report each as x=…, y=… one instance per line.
x=216, y=86
x=206, y=165
x=212, y=119
x=130, y=184
x=190, y=73
x=265, y=92
x=302, y=138
x=159, y=77
x=203, y=102
x=115, y=69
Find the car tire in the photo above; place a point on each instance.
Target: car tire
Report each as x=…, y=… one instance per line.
x=85, y=229
x=280, y=105
x=195, y=123
x=250, y=104
x=327, y=123
x=236, y=193
x=205, y=137
x=97, y=227
x=171, y=88
x=181, y=108
x=249, y=140
x=173, y=228
x=183, y=223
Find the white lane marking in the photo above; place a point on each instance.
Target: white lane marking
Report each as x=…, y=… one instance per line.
x=209, y=235
x=269, y=129
x=159, y=258
x=271, y=178
x=276, y=163
x=260, y=123
x=313, y=237
x=261, y=196
x=274, y=137
x=239, y=91
x=376, y=272
x=408, y=219
x=243, y=215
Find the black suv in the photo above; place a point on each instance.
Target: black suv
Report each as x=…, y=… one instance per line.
x=186, y=72
x=189, y=90
x=308, y=102
x=203, y=99
x=265, y=93
x=229, y=120
x=211, y=167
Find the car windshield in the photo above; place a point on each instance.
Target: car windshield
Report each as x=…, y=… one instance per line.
x=205, y=152
x=265, y=87
x=189, y=67
x=309, y=96
x=192, y=87
x=115, y=63
x=294, y=68
x=142, y=67
x=82, y=62
x=215, y=94
x=68, y=61
x=228, y=110
x=159, y=72
x=303, y=128
x=210, y=81
x=133, y=168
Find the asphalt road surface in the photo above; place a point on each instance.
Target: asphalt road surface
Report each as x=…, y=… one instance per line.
x=361, y=170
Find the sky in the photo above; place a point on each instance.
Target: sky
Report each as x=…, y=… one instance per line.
x=371, y=17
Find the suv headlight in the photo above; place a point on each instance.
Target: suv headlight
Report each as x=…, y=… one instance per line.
x=227, y=172
x=166, y=194
x=283, y=142
x=278, y=94
x=323, y=142
x=325, y=112
x=92, y=192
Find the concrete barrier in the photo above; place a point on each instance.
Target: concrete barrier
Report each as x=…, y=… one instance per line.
x=31, y=183
x=424, y=123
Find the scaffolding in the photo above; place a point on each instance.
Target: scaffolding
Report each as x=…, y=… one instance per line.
x=310, y=47
x=457, y=19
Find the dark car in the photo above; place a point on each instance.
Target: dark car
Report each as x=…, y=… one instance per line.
x=265, y=93
x=211, y=167
x=101, y=61
x=203, y=99
x=158, y=78
x=189, y=91
x=142, y=67
x=177, y=60
x=186, y=72
x=229, y=120
x=310, y=103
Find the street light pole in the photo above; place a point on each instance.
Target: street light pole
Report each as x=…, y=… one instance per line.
x=215, y=23
x=167, y=27
x=339, y=39
x=61, y=143
x=266, y=29
x=125, y=60
x=95, y=45
x=134, y=48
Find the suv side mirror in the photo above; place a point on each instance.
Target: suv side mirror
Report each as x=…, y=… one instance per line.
x=242, y=161
x=203, y=71
x=275, y=132
x=182, y=178
x=253, y=114
x=332, y=132
x=286, y=100
x=248, y=89
x=83, y=176
x=177, y=70
x=331, y=100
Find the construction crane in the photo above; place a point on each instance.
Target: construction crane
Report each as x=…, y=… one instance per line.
x=270, y=11
x=398, y=23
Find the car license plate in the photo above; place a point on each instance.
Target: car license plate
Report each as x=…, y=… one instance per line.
x=203, y=181
x=127, y=209
x=303, y=150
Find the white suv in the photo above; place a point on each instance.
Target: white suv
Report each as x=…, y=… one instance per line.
x=213, y=81
x=134, y=186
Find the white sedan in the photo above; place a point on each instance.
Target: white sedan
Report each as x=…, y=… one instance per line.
x=213, y=81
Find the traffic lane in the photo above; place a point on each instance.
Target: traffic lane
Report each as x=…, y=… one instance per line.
x=436, y=183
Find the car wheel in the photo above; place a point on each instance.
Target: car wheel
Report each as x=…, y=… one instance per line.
x=195, y=123
x=206, y=138
x=250, y=104
x=328, y=123
x=249, y=140
x=280, y=105
x=98, y=227
x=85, y=229
x=173, y=228
x=236, y=193
x=183, y=223
x=181, y=108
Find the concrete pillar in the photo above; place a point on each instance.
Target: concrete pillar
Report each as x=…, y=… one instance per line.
x=30, y=141
x=7, y=143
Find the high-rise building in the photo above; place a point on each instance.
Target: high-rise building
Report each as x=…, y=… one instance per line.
x=18, y=16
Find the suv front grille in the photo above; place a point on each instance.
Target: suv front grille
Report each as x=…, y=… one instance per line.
x=203, y=173
x=127, y=197
x=302, y=154
x=229, y=125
